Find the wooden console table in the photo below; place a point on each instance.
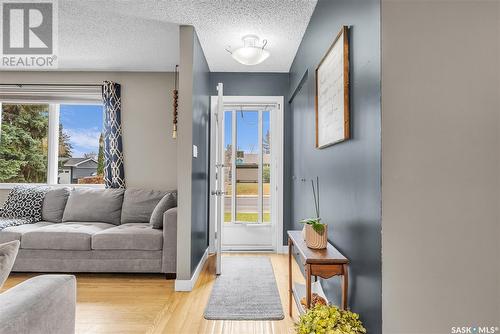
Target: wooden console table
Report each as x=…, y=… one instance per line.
x=324, y=263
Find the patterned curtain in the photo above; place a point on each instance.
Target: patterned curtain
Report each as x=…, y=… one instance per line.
x=114, y=173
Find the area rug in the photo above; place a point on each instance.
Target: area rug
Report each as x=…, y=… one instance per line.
x=246, y=290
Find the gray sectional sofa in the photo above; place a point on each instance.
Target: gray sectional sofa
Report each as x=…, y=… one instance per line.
x=42, y=304
x=99, y=230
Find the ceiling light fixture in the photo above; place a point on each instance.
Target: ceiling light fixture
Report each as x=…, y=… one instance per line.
x=251, y=53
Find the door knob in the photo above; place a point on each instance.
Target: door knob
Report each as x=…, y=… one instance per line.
x=218, y=192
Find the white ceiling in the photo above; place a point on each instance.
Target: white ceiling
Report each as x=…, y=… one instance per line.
x=144, y=35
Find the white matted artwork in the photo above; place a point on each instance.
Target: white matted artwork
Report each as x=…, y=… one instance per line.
x=332, y=93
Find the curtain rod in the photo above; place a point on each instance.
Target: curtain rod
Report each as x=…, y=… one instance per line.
x=50, y=84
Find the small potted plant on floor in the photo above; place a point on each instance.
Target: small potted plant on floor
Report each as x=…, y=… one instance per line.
x=315, y=232
x=329, y=319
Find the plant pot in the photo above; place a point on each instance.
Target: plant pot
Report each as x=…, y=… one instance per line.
x=304, y=232
x=315, y=240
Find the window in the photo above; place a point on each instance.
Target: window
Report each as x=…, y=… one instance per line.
x=51, y=143
x=247, y=165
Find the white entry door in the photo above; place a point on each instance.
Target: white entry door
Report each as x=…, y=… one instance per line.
x=250, y=130
x=217, y=183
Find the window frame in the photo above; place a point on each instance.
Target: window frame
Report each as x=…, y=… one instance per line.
x=53, y=144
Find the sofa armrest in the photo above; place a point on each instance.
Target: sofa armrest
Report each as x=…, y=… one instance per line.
x=42, y=304
x=169, y=258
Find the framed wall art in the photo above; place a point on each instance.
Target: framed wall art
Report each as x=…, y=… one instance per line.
x=332, y=93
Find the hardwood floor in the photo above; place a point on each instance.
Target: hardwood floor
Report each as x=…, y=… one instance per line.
x=116, y=303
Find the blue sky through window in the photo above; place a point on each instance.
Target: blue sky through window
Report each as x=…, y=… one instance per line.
x=83, y=124
x=247, y=129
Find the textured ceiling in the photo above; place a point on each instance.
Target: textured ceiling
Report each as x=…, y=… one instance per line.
x=144, y=35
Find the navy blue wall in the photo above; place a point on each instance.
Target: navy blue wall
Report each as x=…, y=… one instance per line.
x=350, y=171
x=251, y=84
x=200, y=167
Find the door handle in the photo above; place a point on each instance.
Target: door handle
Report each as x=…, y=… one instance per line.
x=217, y=192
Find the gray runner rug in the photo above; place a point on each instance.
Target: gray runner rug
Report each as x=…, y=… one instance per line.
x=246, y=290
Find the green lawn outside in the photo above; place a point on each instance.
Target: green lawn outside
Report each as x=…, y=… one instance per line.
x=248, y=188
x=247, y=217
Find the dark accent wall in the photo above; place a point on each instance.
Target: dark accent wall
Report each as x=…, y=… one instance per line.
x=251, y=84
x=262, y=84
x=200, y=166
x=350, y=173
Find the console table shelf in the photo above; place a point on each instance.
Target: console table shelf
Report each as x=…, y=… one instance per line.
x=324, y=263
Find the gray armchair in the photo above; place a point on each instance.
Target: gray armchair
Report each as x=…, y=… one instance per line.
x=40, y=305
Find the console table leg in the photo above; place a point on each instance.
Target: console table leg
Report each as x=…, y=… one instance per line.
x=290, y=277
x=308, y=285
x=345, y=286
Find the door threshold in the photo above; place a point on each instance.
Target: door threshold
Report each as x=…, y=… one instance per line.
x=248, y=250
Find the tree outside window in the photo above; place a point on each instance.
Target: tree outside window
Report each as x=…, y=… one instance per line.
x=24, y=143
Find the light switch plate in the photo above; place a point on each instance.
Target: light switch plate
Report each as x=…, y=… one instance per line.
x=195, y=151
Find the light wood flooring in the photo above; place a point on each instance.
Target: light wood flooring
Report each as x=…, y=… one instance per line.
x=117, y=303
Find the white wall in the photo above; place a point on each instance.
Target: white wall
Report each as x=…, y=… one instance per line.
x=150, y=153
x=3, y=195
x=440, y=165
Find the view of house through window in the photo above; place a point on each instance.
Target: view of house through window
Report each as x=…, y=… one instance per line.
x=25, y=138
x=81, y=151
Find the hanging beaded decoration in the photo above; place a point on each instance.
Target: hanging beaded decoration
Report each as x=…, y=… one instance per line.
x=176, y=97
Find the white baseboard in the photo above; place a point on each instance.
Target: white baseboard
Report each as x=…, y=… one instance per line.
x=188, y=284
x=283, y=249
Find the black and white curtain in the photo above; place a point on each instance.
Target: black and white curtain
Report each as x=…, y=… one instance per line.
x=114, y=173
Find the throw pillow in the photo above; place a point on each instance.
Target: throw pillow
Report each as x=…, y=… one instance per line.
x=8, y=253
x=25, y=202
x=9, y=222
x=167, y=202
x=94, y=205
x=138, y=204
x=54, y=204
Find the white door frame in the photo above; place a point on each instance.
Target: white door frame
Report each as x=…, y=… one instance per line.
x=277, y=192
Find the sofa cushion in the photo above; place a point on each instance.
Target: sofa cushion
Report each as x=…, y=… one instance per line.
x=94, y=205
x=68, y=236
x=138, y=204
x=54, y=204
x=132, y=236
x=16, y=232
x=167, y=202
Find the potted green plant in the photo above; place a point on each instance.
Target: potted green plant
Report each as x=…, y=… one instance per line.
x=315, y=233
x=329, y=320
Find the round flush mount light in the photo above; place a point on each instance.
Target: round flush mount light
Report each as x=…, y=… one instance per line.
x=251, y=53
